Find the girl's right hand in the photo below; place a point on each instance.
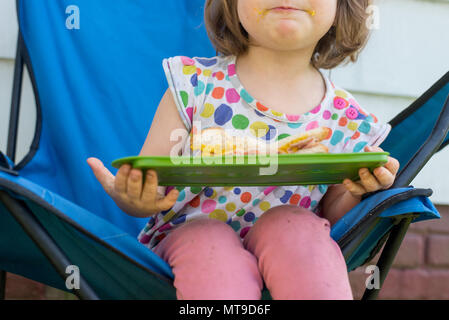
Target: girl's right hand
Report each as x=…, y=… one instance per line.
x=130, y=193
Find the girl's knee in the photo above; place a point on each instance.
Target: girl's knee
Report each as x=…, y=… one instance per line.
x=285, y=225
x=209, y=262
x=199, y=237
x=288, y=217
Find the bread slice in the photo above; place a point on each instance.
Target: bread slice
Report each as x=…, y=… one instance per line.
x=315, y=136
x=215, y=141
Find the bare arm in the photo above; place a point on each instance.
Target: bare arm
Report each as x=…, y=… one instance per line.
x=127, y=189
x=165, y=121
x=337, y=202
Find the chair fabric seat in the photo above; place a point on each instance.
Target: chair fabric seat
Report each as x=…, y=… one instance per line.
x=115, y=264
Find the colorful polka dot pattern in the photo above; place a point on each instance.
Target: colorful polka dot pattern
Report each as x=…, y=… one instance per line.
x=208, y=93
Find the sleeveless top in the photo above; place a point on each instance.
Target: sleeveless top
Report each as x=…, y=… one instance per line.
x=208, y=93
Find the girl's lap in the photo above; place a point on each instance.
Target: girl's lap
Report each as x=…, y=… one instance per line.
x=286, y=222
x=288, y=215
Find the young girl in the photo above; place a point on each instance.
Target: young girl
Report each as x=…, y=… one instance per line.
x=226, y=242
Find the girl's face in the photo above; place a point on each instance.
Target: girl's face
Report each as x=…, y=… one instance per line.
x=286, y=24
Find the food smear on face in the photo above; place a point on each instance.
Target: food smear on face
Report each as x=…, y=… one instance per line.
x=311, y=12
x=261, y=13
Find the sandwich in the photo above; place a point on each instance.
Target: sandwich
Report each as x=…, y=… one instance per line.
x=215, y=141
x=306, y=142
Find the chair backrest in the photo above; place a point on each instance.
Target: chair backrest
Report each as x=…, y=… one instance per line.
x=415, y=125
x=97, y=72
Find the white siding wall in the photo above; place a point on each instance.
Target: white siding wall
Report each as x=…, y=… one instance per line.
x=8, y=39
x=404, y=57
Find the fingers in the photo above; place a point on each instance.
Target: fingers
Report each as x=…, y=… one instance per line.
x=167, y=202
x=381, y=178
x=129, y=183
x=103, y=175
x=150, y=195
x=368, y=180
x=355, y=188
x=149, y=191
x=392, y=165
x=134, y=184
x=385, y=175
x=121, y=179
x=373, y=149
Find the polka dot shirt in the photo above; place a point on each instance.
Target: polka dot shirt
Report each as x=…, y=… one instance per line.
x=208, y=93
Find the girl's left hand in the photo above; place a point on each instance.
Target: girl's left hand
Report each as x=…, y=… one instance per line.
x=382, y=177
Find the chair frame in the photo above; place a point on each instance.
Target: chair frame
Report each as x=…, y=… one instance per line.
x=59, y=260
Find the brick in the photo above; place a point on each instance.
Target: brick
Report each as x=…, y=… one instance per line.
x=20, y=288
x=357, y=280
x=411, y=252
x=56, y=294
x=438, y=285
x=424, y=284
x=404, y=284
x=416, y=284
x=444, y=209
x=438, y=250
x=413, y=284
x=435, y=225
x=391, y=288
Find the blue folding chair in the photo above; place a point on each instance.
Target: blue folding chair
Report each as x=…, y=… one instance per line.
x=97, y=88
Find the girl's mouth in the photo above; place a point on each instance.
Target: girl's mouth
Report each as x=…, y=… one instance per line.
x=284, y=9
x=291, y=9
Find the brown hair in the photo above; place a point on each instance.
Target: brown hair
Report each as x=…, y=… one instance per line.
x=344, y=41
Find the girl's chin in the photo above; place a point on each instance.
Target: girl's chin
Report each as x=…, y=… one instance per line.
x=286, y=28
x=285, y=39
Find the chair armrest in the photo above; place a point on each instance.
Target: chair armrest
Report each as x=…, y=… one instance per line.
x=361, y=229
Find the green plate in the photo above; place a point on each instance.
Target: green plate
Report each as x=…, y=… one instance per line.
x=254, y=170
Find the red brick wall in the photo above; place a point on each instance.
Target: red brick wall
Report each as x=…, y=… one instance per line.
x=18, y=287
x=21, y=288
x=421, y=267
x=420, y=270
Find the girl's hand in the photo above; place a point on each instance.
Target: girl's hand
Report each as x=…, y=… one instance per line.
x=382, y=177
x=130, y=193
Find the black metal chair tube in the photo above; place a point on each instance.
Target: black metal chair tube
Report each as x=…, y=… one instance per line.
x=45, y=242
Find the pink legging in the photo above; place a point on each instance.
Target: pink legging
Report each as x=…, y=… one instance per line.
x=288, y=247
